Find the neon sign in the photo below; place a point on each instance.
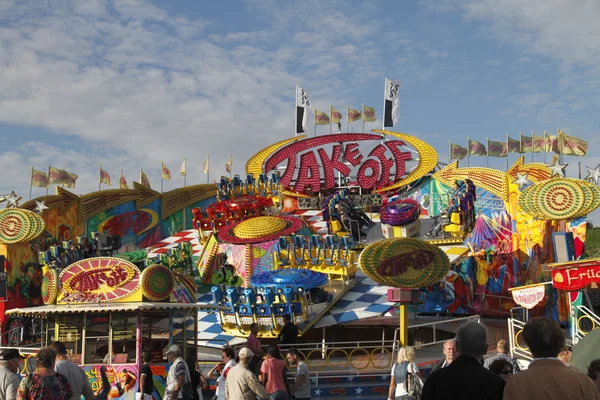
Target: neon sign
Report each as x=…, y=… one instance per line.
x=98, y=280
x=312, y=164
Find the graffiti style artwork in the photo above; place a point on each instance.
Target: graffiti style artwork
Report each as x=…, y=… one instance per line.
x=113, y=382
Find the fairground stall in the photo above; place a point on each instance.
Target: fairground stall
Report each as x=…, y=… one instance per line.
x=108, y=312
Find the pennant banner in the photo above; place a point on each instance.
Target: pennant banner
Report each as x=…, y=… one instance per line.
x=144, y=181
x=104, y=177
x=457, y=152
x=165, y=172
x=572, y=146
x=353, y=115
x=39, y=179
x=302, y=106
x=514, y=145
x=496, y=149
x=477, y=149
x=321, y=118
x=391, y=98
x=336, y=116
x=183, y=169
x=70, y=184
x=369, y=114
x=526, y=144
x=58, y=176
x=123, y=182
x=538, y=144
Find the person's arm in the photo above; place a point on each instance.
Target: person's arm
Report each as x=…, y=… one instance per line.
x=12, y=388
x=87, y=391
x=180, y=381
x=256, y=387
x=262, y=376
x=299, y=381
x=392, y=389
x=213, y=374
x=142, y=382
x=23, y=391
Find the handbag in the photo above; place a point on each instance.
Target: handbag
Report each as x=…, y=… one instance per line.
x=414, y=385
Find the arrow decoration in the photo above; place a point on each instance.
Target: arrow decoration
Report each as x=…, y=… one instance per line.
x=492, y=180
x=177, y=199
x=536, y=172
x=63, y=200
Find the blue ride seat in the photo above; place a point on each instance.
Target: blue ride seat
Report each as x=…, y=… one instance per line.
x=315, y=246
x=284, y=245
x=299, y=244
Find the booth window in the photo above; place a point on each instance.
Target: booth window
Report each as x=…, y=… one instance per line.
x=124, y=339
x=69, y=332
x=97, y=339
x=155, y=334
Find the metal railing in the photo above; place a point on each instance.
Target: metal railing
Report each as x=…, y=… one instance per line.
x=583, y=321
x=518, y=348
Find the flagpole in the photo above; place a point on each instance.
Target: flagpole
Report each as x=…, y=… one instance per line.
x=487, y=152
x=532, y=144
x=468, y=152
x=363, y=117
x=48, y=185
x=161, y=175
x=295, y=118
x=348, y=118
x=449, y=151
x=30, y=182
x=579, y=163
x=231, y=167
x=208, y=167
x=330, y=116
x=561, y=143
x=384, y=94
x=520, y=143
x=315, y=121
x=99, y=176
x=120, y=178
x=141, y=181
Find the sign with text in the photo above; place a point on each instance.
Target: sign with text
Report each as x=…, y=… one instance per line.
x=529, y=296
x=99, y=280
x=313, y=164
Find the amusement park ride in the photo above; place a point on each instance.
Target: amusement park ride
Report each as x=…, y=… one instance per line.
x=291, y=240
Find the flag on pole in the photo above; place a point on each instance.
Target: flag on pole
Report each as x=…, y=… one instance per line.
x=144, y=179
x=336, y=116
x=514, y=145
x=205, y=165
x=526, y=144
x=457, y=152
x=353, y=115
x=165, y=173
x=369, y=114
x=497, y=149
x=58, y=176
x=39, y=179
x=476, y=148
x=538, y=144
x=551, y=143
x=123, y=182
x=183, y=169
x=391, y=97
x=573, y=146
x=228, y=165
x=104, y=177
x=70, y=184
x=302, y=107
x=321, y=118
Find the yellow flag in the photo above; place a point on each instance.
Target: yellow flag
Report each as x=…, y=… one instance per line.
x=104, y=177
x=165, y=173
x=353, y=115
x=39, y=178
x=123, y=182
x=144, y=179
x=321, y=118
x=369, y=114
x=70, y=184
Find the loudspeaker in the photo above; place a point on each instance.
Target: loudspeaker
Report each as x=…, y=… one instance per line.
x=116, y=242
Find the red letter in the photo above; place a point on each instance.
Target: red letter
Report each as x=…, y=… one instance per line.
x=309, y=173
x=329, y=164
x=352, y=154
x=399, y=156
x=386, y=164
x=368, y=181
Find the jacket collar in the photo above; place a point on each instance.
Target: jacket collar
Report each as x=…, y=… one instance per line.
x=546, y=362
x=468, y=359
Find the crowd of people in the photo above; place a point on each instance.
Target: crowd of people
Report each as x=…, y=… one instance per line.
x=464, y=374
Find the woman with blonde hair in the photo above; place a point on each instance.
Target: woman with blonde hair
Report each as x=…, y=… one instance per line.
x=404, y=365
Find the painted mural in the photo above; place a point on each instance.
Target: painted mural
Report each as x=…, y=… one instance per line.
x=117, y=382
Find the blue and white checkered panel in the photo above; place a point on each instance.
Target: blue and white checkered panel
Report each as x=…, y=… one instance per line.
x=365, y=299
x=210, y=332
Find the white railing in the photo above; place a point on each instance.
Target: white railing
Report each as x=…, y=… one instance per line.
x=517, y=348
x=583, y=321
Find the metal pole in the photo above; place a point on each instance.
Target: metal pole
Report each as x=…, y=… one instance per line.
x=403, y=324
x=31, y=185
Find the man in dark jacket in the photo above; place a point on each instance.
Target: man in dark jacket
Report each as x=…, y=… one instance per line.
x=466, y=378
x=449, y=355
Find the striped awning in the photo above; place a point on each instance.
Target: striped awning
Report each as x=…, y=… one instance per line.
x=108, y=307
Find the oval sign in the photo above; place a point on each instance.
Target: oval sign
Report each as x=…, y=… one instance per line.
x=404, y=263
x=99, y=280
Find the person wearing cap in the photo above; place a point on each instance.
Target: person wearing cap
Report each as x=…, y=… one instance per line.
x=241, y=383
x=10, y=359
x=178, y=374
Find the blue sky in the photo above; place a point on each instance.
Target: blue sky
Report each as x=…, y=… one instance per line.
x=130, y=83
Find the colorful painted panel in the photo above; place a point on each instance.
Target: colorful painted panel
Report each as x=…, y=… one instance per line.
x=116, y=382
x=262, y=256
x=137, y=228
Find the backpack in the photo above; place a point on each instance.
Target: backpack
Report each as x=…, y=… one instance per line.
x=414, y=385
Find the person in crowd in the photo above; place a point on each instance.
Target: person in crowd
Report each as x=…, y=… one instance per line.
x=404, y=365
x=178, y=374
x=466, y=378
x=547, y=377
x=501, y=367
x=241, y=383
x=449, y=351
x=10, y=361
x=594, y=372
x=146, y=378
x=502, y=349
x=45, y=383
x=195, y=375
x=273, y=374
x=301, y=388
x=221, y=370
x=73, y=372
x=254, y=345
x=289, y=332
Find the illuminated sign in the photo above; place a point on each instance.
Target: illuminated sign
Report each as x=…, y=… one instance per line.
x=98, y=280
x=404, y=263
x=313, y=164
x=138, y=222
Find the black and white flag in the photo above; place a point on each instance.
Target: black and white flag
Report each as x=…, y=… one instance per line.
x=391, y=97
x=302, y=107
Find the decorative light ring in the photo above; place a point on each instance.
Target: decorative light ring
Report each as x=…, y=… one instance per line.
x=404, y=262
x=15, y=226
x=260, y=229
x=592, y=200
x=37, y=225
x=50, y=287
x=158, y=282
x=400, y=212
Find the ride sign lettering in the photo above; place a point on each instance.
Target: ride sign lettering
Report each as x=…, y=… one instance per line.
x=382, y=166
